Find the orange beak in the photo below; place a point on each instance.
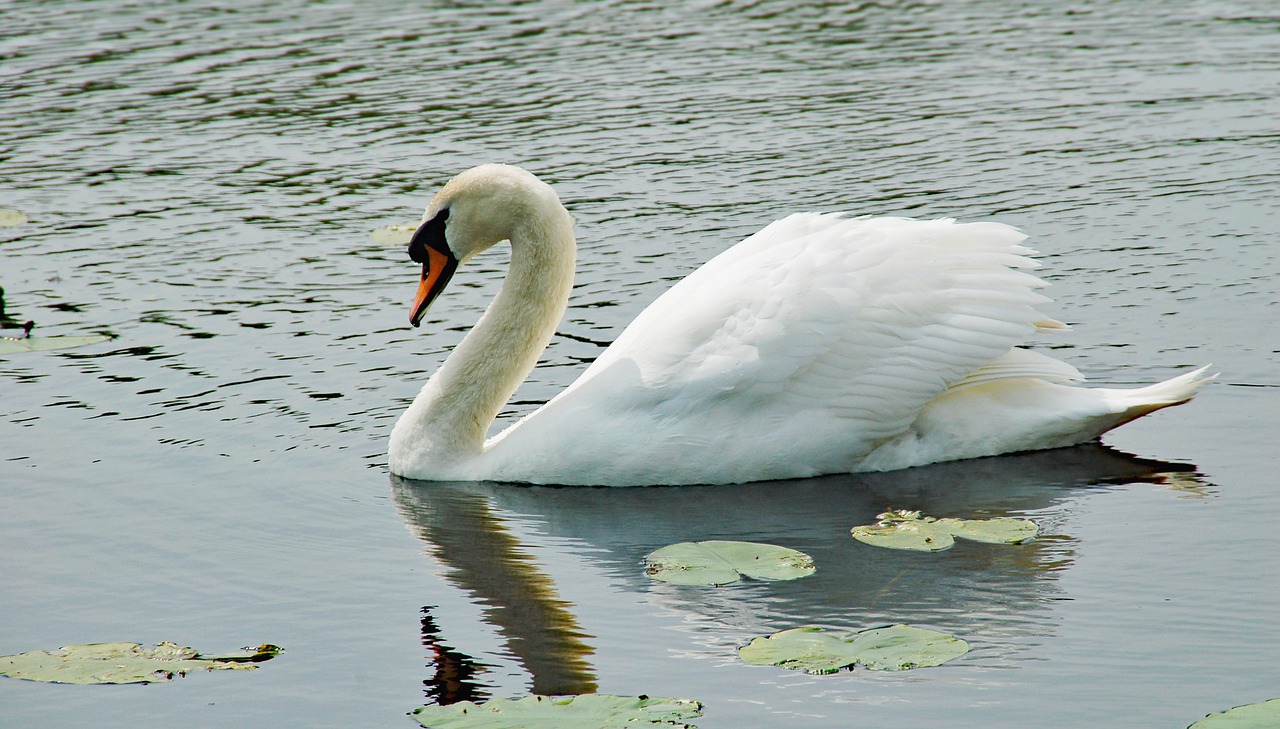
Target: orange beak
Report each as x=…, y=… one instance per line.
x=430, y=248
x=436, y=272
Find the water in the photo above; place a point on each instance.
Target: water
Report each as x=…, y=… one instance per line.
x=201, y=180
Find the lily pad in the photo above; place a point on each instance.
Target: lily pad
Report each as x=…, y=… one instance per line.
x=1265, y=715
x=718, y=563
x=587, y=711
x=10, y=218
x=394, y=235
x=910, y=530
x=818, y=651
x=97, y=663
x=10, y=345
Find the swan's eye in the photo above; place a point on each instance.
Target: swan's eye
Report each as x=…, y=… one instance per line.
x=430, y=233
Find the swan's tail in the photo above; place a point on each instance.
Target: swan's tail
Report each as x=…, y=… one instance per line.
x=1132, y=404
x=989, y=414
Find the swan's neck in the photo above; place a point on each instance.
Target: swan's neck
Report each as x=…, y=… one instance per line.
x=450, y=417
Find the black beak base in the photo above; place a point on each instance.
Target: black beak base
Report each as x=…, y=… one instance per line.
x=430, y=233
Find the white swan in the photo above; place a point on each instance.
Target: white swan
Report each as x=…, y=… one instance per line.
x=821, y=344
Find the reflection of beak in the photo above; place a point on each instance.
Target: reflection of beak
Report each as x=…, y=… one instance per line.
x=429, y=247
x=487, y=558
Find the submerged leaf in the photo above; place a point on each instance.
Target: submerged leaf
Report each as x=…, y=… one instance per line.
x=9, y=345
x=97, y=663
x=10, y=218
x=1265, y=715
x=587, y=711
x=720, y=562
x=818, y=651
x=910, y=530
x=394, y=235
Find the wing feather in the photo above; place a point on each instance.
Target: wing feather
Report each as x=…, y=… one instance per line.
x=845, y=327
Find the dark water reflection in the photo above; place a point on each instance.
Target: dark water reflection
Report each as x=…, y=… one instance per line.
x=991, y=595
x=487, y=561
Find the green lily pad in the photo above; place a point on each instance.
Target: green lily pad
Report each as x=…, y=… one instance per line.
x=718, y=563
x=10, y=218
x=910, y=530
x=818, y=651
x=1265, y=715
x=587, y=711
x=10, y=345
x=394, y=235
x=124, y=663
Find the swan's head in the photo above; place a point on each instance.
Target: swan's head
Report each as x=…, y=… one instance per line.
x=473, y=212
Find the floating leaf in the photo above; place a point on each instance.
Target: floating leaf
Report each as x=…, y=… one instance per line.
x=10, y=218
x=9, y=345
x=910, y=530
x=123, y=663
x=818, y=651
x=717, y=563
x=587, y=711
x=1265, y=715
x=1002, y=530
x=394, y=235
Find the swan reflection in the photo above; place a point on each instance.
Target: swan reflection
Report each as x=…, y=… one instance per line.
x=991, y=595
x=463, y=532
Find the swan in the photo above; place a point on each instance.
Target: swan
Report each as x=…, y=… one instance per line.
x=821, y=344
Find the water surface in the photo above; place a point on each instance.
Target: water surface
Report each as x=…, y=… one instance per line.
x=201, y=180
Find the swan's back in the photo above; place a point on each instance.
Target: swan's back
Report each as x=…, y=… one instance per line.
x=801, y=350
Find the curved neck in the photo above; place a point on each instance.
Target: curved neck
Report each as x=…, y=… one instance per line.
x=453, y=412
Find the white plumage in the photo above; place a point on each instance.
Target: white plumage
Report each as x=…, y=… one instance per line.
x=821, y=344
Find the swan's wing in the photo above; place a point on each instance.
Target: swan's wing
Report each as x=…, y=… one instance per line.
x=1018, y=364
x=851, y=325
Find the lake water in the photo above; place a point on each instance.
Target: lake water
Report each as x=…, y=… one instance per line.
x=202, y=178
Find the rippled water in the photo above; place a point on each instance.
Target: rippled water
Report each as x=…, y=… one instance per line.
x=201, y=180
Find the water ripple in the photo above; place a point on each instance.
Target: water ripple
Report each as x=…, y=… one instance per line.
x=201, y=178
